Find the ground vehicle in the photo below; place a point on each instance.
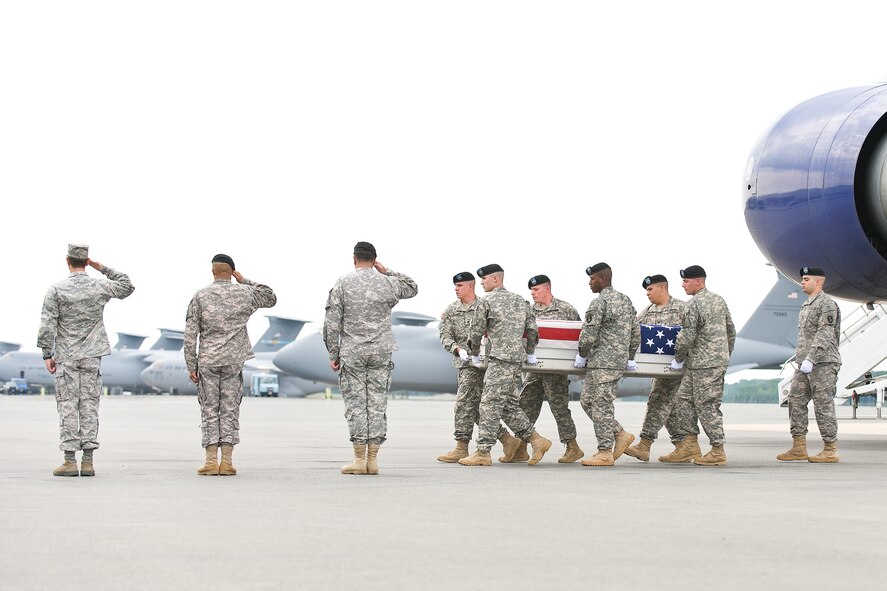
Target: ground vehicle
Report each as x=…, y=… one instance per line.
x=17, y=386
x=264, y=384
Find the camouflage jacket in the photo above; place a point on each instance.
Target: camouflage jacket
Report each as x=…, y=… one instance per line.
x=671, y=314
x=455, y=328
x=71, y=324
x=610, y=335
x=217, y=316
x=819, y=330
x=708, y=335
x=358, y=312
x=506, y=318
x=556, y=310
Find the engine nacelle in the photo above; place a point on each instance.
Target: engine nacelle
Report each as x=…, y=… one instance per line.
x=816, y=192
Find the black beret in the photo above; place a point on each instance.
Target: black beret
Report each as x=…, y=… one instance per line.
x=223, y=258
x=538, y=280
x=463, y=276
x=365, y=248
x=494, y=268
x=596, y=268
x=651, y=279
x=812, y=271
x=693, y=272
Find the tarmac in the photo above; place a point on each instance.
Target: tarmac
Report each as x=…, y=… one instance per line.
x=290, y=520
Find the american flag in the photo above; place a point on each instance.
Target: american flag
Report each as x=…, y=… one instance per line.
x=658, y=339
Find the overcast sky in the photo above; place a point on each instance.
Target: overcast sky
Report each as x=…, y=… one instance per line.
x=544, y=137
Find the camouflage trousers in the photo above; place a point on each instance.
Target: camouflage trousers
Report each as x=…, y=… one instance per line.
x=660, y=405
x=467, y=408
x=819, y=386
x=699, y=401
x=78, y=389
x=598, y=393
x=364, y=382
x=219, y=393
x=556, y=389
x=500, y=401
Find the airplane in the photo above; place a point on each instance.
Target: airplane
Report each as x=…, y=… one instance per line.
x=170, y=374
x=6, y=347
x=422, y=365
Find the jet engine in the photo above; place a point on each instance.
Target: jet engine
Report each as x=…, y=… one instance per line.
x=815, y=192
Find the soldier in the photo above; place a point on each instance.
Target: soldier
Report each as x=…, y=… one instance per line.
x=704, y=345
x=553, y=387
x=607, y=345
x=819, y=330
x=357, y=333
x=668, y=311
x=217, y=317
x=73, y=338
x=505, y=317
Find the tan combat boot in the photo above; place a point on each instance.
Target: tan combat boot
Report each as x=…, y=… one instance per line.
x=715, y=457
x=226, y=468
x=540, y=446
x=572, y=453
x=86, y=468
x=68, y=468
x=514, y=449
x=828, y=455
x=685, y=451
x=798, y=451
x=623, y=440
x=604, y=457
x=457, y=454
x=641, y=450
x=372, y=464
x=359, y=465
x=211, y=467
x=478, y=458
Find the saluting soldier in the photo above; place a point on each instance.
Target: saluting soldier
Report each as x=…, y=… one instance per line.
x=216, y=345
x=358, y=336
x=704, y=345
x=667, y=311
x=819, y=331
x=73, y=339
x=607, y=345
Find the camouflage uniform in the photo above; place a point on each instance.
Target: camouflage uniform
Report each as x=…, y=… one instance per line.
x=552, y=387
x=357, y=332
x=505, y=317
x=704, y=344
x=663, y=391
x=819, y=330
x=455, y=326
x=217, y=316
x=72, y=331
x=610, y=337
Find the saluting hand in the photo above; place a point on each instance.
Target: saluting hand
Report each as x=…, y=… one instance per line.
x=237, y=276
x=95, y=264
x=380, y=267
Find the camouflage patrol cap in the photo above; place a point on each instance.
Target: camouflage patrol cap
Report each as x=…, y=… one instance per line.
x=463, y=276
x=652, y=279
x=538, y=280
x=693, y=272
x=812, y=271
x=78, y=251
x=489, y=269
x=596, y=268
x=223, y=258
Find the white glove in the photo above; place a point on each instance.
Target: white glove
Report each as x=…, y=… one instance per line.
x=531, y=359
x=580, y=361
x=631, y=365
x=807, y=366
x=463, y=354
x=676, y=365
x=475, y=360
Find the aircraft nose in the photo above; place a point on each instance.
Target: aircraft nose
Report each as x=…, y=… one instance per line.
x=306, y=358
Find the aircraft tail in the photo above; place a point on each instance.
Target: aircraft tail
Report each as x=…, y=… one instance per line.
x=6, y=347
x=170, y=340
x=281, y=332
x=129, y=341
x=776, y=318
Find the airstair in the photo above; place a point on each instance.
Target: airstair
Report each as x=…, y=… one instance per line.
x=863, y=347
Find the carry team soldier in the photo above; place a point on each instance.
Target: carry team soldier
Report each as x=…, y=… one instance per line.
x=545, y=386
x=505, y=317
x=216, y=319
x=73, y=339
x=819, y=331
x=358, y=336
x=668, y=311
x=607, y=345
x=704, y=345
